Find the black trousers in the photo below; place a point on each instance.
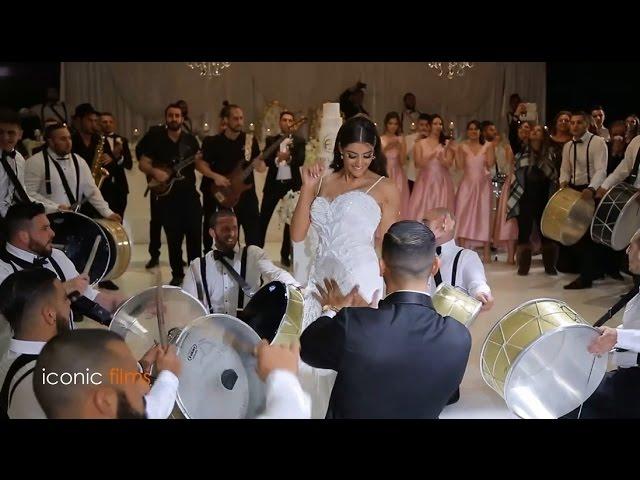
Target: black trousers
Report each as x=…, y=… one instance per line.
x=181, y=218
x=116, y=197
x=272, y=195
x=532, y=206
x=248, y=217
x=587, y=252
x=617, y=396
x=155, y=227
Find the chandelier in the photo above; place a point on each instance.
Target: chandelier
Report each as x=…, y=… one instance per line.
x=450, y=68
x=209, y=69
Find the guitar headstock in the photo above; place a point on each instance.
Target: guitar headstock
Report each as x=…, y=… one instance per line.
x=298, y=123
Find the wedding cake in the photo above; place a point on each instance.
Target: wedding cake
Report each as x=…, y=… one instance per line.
x=329, y=126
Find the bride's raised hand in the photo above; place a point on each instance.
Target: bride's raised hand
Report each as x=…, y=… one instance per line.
x=311, y=175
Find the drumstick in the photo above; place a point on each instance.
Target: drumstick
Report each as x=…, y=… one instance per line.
x=162, y=329
x=92, y=255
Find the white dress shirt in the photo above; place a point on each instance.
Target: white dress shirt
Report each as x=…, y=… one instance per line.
x=23, y=403
x=409, y=117
x=624, y=168
x=223, y=289
x=34, y=177
x=410, y=170
x=598, y=158
x=629, y=335
x=162, y=397
x=285, y=397
x=67, y=267
x=470, y=273
x=604, y=133
x=8, y=195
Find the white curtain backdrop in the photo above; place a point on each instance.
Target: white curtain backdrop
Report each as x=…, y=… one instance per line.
x=136, y=93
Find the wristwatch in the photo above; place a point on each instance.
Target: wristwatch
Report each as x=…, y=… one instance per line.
x=326, y=308
x=593, y=190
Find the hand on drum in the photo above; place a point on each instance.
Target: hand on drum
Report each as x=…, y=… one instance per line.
x=78, y=284
x=276, y=357
x=64, y=207
x=149, y=358
x=115, y=217
x=587, y=194
x=486, y=299
x=167, y=359
x=605, y=342
x=600, y=193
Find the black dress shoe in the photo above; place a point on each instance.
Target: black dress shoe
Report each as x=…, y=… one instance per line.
x=578, y=284
x=285, y=262
x=176, y=281
x=154, y=262
x=108, y=285
x=616, y=276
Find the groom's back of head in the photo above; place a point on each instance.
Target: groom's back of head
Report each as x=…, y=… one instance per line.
x=408, y=250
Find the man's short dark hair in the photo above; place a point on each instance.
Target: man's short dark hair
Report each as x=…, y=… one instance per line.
x=286, y=112
x=230, y=107
x=223, y=212
x=424, y=116
x=9, y=116
x=19, y=216
x=408, y=249
x=74, y=351
x=172, y=105
x=107, y=114
x=485, y=124
x=581, y=113
x=85, y=109
x=22, y=290
x=597, y=107
x=48, y=131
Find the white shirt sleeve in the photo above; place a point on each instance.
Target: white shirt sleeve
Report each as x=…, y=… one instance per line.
x=70, y=272
x=162, y=396
x=285, y=397
x=623, y=170
x=629, y=339
x=90, y=189
x=34, y=182
x=473, y=276
x=269, y=271
x=600, y=160
x=565, y=167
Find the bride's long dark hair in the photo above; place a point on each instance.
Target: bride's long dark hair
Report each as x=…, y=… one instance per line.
x=360, y=129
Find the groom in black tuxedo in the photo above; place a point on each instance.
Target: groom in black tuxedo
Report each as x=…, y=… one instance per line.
x=401, y=360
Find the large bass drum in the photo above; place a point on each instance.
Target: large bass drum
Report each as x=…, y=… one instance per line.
x=275, y=312
x=75, y=235
x=136, y=321
x=119, y=248
x=617, y=217
x=454, y=302
x=536, y=358
x=218, y=378
x=567, y=217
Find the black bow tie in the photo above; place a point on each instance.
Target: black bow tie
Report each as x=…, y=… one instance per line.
x=11, y=154
x=111, y=135
x=438, y=250
x=577, y=141
x=62, y=158
x=218, y=254
x=40, y=261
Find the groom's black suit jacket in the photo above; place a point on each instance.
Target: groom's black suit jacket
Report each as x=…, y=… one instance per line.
x=401, y=360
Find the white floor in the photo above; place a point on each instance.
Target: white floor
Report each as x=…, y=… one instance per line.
x=510, y=290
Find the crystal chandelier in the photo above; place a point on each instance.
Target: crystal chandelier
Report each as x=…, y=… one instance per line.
x=209, y=69
x=450, y=68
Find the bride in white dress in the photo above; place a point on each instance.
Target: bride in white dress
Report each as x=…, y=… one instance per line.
x=345, y=208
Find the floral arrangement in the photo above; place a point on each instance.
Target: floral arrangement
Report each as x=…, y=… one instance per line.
x=311, y=150
x=288, y=206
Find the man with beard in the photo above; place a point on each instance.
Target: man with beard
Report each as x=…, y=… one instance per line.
x=106, y=381
x=181, y=213
x=29, y=246
x=35, y=304
x=221, y=154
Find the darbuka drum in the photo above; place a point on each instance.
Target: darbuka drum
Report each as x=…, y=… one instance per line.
x=219, y=378
x=119, y=248
x=617, y=217
x=567, y=217
x=275, y=313
x=137, y=322
x=454, y=302
x=536, y=358
x=75, y=235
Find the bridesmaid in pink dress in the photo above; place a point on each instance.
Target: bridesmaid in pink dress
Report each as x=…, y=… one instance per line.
x=434, y=186
x=473, y=200
x=505, y=231
x=395, y=151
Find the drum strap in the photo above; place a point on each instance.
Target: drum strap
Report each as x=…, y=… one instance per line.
x=5, y=393
x=575, y=159
x=23, y=264
x=243, y=274
x=63, y=178
x=17, y=186
x=205, y=285
x=239, y=279
x=631, y=179
x=454, y=270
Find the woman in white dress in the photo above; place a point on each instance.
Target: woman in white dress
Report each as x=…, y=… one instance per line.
x=345, y=208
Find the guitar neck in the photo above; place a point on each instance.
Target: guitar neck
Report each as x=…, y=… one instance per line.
x=180, y=165
x=267, y=152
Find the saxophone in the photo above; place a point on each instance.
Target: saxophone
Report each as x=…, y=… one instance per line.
x=98, y=172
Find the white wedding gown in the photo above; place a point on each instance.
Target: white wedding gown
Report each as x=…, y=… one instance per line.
x=346, y=252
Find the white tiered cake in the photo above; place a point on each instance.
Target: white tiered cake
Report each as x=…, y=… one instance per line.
x=329, y=126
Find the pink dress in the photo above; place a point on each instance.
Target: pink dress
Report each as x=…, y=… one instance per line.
x=434, y=185
x=473, y=200
x=396, y=173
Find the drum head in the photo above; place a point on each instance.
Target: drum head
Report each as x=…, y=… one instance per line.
x=627, y=225
x=219, y=378
x=136, y=320
x=75, y=235
x=453, y=302
x=265, y=310
x=555, y=374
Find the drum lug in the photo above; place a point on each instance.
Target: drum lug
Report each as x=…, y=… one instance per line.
x=172, y=336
